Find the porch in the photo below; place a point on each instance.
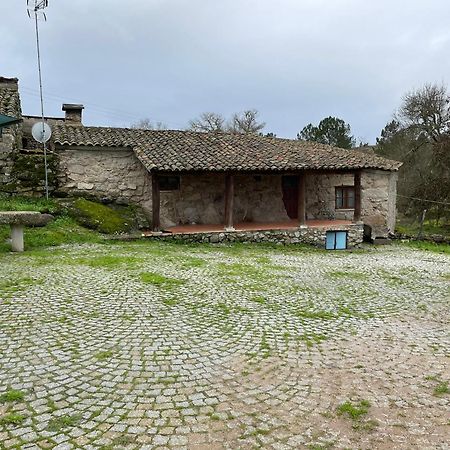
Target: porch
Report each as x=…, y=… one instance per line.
x=218, y=202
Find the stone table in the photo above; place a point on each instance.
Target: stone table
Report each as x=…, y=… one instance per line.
x=17, y=220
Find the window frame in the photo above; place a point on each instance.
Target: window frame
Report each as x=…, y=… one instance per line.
x=164, y=182
x=345, y=197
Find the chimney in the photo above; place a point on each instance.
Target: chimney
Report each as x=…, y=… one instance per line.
x=73, y=113
x=9, y=83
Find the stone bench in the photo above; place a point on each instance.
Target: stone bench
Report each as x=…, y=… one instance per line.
x=17, y=220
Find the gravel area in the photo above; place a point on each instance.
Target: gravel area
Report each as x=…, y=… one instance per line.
x=156, y=345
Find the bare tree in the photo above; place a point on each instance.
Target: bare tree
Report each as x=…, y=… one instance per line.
x=427, y=110
x=246, y=122
x=208, y=122
x=147, y=124
x=420, y=137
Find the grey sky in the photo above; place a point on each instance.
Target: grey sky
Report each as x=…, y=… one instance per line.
x=296, y=61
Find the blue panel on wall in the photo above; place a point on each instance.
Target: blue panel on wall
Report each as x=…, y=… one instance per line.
x=341, y=240
x=336, y=240
x=331, y=240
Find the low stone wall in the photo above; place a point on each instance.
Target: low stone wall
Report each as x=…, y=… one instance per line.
x=311, y=235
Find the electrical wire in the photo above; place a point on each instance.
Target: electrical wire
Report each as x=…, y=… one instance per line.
x=424, y=200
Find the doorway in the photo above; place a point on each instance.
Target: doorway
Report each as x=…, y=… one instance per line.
x=289, y=184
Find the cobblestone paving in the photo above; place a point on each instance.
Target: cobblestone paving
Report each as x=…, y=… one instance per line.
x=158, y=345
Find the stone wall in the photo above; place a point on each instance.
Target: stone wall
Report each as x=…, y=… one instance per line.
x=200, y=200
x=7, y=151
x=378, y=199
x=311, y=235
x=113, y=174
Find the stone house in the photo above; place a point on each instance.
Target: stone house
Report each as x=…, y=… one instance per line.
x=192, y=182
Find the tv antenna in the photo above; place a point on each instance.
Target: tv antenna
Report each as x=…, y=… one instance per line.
x=36, y=8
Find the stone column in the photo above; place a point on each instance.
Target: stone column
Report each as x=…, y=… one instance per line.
x=17, y=238
x=357, y=184
x=302, y=200
x=229, y=201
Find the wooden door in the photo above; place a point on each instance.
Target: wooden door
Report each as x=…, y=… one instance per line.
x=290, y=195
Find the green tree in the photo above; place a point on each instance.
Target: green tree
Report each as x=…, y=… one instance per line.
x=331, y=131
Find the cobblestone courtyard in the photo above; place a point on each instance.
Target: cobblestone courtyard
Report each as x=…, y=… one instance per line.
x=156, y=345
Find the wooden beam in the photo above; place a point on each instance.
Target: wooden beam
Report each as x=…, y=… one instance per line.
x=156, y=202
x=357, y=184
x=229, y=201
x=301, y=199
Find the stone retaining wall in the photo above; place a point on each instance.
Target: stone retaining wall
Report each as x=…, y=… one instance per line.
x=311, y=235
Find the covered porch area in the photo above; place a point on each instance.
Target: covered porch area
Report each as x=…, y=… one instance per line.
x=293, y=193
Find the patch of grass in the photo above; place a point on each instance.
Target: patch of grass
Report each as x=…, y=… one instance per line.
x=191, y=262
x=170, y=301
x=9, y=287
x=354, y=411
x=428, y=246
x=12, y=419
x=123, y=440
x=258, y=299
x=159, y=280
x=59, y=423
x=11, y=396
x=224, y=308
x=320, y=314
x=105, y=354
x=442, y=388
x=62, y=230
x=17, y=203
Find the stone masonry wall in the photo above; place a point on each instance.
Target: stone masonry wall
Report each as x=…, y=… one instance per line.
x=378, y=199
x=114, y=174
x=200, y=199
x=314, y=236
x=7, y=151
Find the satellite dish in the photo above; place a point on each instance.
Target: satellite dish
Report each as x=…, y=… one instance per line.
x=41, y=132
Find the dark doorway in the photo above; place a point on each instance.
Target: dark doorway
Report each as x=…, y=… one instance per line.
x=289, y=185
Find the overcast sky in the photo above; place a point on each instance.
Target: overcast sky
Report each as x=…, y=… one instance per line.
x=296, y=61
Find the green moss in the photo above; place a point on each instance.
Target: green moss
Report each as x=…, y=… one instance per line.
x=102, y=218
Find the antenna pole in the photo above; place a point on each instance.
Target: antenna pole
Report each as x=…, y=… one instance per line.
x=36, y=8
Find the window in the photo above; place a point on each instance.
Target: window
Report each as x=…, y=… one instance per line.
x=345, y=197
x=169, y=183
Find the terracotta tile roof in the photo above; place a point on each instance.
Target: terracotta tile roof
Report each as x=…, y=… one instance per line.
x=180, y=151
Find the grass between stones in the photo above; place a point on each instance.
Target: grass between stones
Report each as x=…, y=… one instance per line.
x=12, y=419
x=10, y=287
x=356, y=412
x=442, y=388
x=159, y=280
x=12, y=396
x=62, y=422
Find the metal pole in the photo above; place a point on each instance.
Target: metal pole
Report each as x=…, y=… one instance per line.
x=42, y=99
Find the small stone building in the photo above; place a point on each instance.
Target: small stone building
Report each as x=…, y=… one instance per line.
x=188, y=181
